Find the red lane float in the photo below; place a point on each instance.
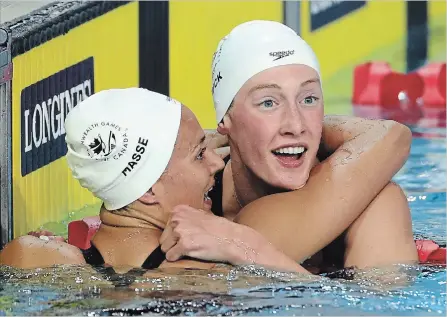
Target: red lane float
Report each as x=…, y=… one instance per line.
x=413, y=98
x=433, y=98
x=80, y=233
x=430, y=252
x=381, y=93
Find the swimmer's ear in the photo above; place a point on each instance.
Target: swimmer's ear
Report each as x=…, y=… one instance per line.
x=225, y=125
x=148, y=198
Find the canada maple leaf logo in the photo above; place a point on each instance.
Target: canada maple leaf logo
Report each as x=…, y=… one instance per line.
x=98, y=146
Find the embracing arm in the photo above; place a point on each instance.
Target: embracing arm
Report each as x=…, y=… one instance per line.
x=201, y=235
x=340, y=129
x=338, y=190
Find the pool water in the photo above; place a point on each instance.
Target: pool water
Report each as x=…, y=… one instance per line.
x=250, y=291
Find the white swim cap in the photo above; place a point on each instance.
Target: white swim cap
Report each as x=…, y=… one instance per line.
x=249, y=49
x=120, y=142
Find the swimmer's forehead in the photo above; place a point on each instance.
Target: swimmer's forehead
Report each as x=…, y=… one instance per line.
x=280, y=77
x=191, y=135
x=276, y=86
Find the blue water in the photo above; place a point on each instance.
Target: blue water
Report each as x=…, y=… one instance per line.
x=423, y=178
x=249, y=291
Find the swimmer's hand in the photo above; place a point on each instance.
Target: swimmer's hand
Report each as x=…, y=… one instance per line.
x=217, y=142
x=46, y=235
x=201, y=235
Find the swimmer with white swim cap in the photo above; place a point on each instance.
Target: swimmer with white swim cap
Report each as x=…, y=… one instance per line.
x=268, y=98
x=245, y=74
x=142, y=154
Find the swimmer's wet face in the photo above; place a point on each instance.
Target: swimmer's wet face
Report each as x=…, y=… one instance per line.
x=271, y=77
x=276, y=123
x=190, y=172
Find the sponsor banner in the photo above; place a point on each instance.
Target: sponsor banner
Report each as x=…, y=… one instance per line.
x=45, y=106
x=50, y=77
x=328, y=11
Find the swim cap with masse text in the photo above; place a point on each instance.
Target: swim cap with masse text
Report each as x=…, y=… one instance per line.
x=120, y=142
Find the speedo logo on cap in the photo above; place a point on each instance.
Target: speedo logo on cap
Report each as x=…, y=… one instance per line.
x=281, y=54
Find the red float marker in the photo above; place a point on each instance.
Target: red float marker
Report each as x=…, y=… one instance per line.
x=433, y=102
x=81, y=232
x=381, y=93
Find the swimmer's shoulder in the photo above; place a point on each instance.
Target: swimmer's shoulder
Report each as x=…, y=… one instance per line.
x=28, y=252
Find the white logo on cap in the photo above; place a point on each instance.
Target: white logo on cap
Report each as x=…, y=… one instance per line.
x=105, y=140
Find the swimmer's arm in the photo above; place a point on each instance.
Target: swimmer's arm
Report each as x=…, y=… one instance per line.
x=263, y=255
x=338, y=191
x=201, y=235
x=339, y=129
x=28, y=252
x=251, y=248
x=269, y=256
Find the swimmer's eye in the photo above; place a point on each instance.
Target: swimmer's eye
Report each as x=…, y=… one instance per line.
x=269, y=103
x=310, y=100
x=201, y=153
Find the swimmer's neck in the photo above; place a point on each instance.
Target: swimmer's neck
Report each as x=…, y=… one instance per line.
x=247, y=186
x=127, y=236
x=136, y=215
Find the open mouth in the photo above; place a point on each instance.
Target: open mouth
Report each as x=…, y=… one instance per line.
x=294, y=152
x=290, y=156
x=206, y=197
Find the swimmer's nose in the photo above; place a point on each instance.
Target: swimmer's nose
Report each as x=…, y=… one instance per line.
x=215, y=162
x=292, y=122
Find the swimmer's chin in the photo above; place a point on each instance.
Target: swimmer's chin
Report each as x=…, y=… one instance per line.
x=291, y=187
x=300, y=186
